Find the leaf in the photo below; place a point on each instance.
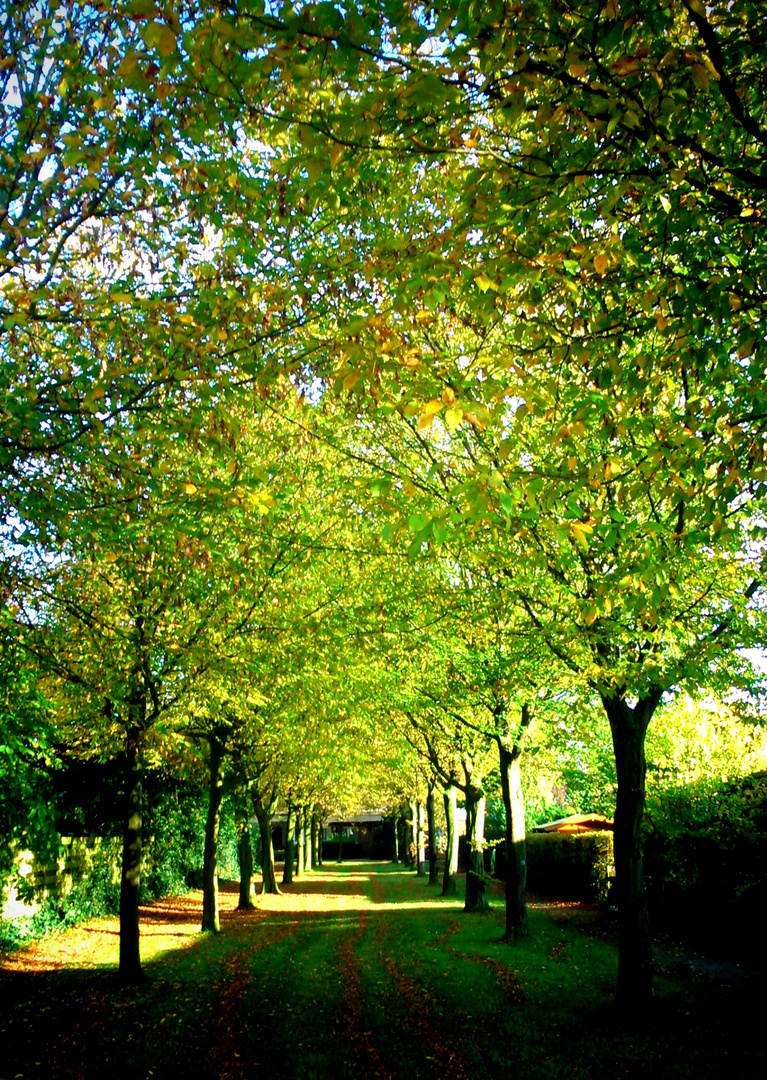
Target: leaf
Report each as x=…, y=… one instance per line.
x=601, y=262
x=159, y=36
x=484, y=283
x=577, y=69
x=425, y=422
x=418, y=522
x=580, y=532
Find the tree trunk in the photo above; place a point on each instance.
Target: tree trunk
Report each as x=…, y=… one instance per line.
x=316, y=846
x=433, y=875
x=449, y=884
x=475, y=871
x=301, y=844
x=287, y=870
x=418, y=855
x=516, y=855
x=210, y=915
x=395, y=831
x=264, y=815
x=308, y=849
x=634, y=988
x=340, y=846
x=130, y=882
x=244, y=851
x=405, y=845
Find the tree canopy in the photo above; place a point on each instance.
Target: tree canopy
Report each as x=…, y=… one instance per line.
x=372, y=361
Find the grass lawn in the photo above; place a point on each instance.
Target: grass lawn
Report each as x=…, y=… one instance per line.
x=360, y=970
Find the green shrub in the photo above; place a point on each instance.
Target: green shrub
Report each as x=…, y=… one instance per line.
x=98, y=894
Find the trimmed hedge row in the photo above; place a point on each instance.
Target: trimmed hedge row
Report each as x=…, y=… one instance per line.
x=568, y=866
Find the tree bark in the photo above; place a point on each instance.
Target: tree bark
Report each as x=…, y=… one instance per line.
x=405, y=839
x=308, y=848
x=516, y=854
x=476, y=899
x=634, y=989
x=210, y=916
x=244, y=851
x=418, y=855
x=287, y=870
x=130, y=880
x=301, y=849
x=316, y=845
x=395, y=832
x=264, y=811
x=449, y=884
x=433, y=875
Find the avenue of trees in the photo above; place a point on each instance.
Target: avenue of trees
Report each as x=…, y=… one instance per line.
x=383, y=404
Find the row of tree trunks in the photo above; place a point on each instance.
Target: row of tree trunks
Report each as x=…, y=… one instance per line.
x=244, y=851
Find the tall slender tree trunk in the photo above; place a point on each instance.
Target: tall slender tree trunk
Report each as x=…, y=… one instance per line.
x=449, y=884
x=308, y=847
x=244, y=851
x=287, y=870
x=404, y=844
x=130, y=879
x=430, y=818
x=516, y=853
x=634, y=989
x=301, y=852
x=415, y=808
x=476, y=899
x=210, y=915
x=395, y=834
x=316, y=852
x=264, y=814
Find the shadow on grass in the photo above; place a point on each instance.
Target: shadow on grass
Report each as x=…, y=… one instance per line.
x=362, y=970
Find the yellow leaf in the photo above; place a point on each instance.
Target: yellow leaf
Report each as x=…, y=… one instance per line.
x=580, y=533
x=601, y=263
x=577, y=69
x=425, y=422
x=190, y=489
x=484, y=283
x=431, y=408
x=735, y=301
x=448, y=396
x=352, y=379
x=453, y=418
x=423, y=316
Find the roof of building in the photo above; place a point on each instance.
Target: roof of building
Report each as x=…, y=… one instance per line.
x=577, y=823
